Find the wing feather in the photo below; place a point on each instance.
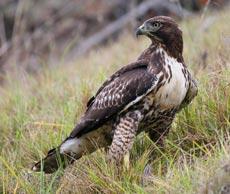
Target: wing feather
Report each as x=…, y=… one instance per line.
x=129, y=67
x=125, y=87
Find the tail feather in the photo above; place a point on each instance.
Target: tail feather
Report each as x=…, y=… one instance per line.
x=52, y=162
x=72, y=149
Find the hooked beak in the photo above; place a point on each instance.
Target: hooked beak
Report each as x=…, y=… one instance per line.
x=141, y=30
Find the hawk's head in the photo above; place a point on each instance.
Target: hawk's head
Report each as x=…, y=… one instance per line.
x=164, y=30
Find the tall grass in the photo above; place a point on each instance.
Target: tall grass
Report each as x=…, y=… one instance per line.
x=38, y=112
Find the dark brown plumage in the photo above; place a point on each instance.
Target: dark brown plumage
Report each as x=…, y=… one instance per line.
x=142, y=96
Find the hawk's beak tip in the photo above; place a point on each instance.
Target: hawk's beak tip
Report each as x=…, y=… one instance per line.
x=138, y=32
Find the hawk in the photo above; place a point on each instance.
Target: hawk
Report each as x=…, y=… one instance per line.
x=143, y=96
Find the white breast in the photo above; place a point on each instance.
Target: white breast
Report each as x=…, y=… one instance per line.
x=173, y=92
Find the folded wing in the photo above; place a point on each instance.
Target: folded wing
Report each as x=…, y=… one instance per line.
x=123, y=89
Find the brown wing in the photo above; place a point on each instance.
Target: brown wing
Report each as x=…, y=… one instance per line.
x=123, y=89
x=137, y=64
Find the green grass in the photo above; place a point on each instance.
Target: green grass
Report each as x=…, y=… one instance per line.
x=38, y=112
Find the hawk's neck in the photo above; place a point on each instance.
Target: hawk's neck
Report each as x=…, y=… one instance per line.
x=161, y=59
x=155, y=47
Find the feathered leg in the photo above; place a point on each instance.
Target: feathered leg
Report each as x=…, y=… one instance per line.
x=124, y=136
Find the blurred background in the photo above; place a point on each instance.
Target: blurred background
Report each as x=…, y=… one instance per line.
x=36, y=33
x=54, y=55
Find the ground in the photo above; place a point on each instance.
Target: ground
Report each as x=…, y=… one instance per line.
x=38, y=112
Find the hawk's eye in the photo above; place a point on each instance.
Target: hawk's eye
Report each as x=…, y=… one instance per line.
x=156, y=25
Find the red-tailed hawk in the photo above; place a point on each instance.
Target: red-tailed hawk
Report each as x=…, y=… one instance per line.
x=142, y=96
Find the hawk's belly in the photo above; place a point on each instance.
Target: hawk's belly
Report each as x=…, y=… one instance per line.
x=174, y=87
x=160, y=106
x=157, y=120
